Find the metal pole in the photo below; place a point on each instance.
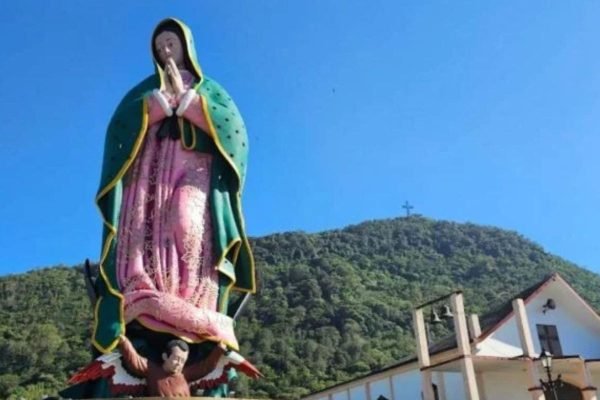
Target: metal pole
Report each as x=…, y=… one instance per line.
x=551, y=384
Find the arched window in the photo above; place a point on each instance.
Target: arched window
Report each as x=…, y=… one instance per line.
x=565, y=392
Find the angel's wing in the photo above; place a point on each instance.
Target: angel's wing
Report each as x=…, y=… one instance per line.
x=218, y=375
x=109, y=367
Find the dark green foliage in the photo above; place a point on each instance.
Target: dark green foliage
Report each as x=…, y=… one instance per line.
x=332, y=305
x=44, y=330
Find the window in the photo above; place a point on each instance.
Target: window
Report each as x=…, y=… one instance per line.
x=549, y=341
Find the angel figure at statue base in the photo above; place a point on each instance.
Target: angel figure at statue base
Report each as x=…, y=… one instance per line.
x=129, y=373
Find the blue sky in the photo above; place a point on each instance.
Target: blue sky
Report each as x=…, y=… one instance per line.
x=486, y=112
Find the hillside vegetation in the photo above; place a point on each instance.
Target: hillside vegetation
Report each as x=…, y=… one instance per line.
x=332, y=305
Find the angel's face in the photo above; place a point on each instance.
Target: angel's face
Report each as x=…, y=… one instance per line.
x=175, y=362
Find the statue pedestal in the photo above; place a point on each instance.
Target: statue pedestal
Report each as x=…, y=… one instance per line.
x=179, y=398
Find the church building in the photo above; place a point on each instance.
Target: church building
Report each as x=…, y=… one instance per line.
x=542, y=344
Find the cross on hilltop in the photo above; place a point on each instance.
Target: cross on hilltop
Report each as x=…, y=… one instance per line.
x=407, y=207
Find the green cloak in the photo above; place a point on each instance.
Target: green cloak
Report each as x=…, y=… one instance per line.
x=227, y=141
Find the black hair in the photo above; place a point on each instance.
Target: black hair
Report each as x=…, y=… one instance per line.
x=170, y=25
x=177, y=343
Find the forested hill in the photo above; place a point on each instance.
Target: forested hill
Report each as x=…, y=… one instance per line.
x=332, y=305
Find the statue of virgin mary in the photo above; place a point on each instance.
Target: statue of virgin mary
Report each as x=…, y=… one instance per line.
x=174, y=246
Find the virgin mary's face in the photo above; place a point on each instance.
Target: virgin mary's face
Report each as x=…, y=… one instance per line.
x=168, y=45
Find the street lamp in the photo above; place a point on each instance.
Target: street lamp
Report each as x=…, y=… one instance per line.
x=552, y=384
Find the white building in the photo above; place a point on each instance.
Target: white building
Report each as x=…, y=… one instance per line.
x=496, y=358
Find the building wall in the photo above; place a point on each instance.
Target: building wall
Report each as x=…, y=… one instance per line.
x=454, y=384
x=403, y=385
x=358, y=393
x=578, y=329
x=595, y=375
x=506, y=385
x=381, y=387
x=407, y=386
x=343, y=395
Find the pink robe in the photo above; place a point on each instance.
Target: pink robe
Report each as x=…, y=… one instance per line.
x=165, y=261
